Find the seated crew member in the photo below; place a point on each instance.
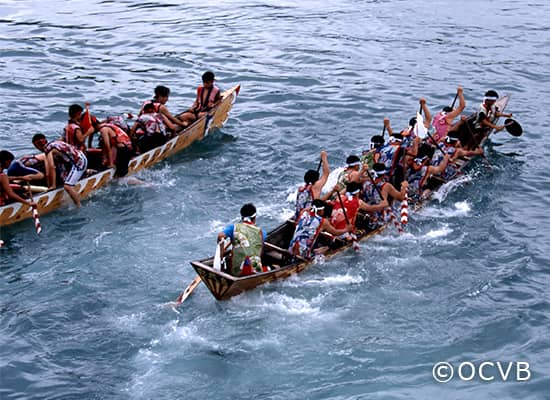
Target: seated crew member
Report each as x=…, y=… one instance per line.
x=248, y=240
x=451, y=146
x=313, y=186
x=27, y=168
x=6, y=192
x=149, y=130
x=351, y=204
x=308, y=227
x=73, y=133
x=208, y=96
x=368, y=157
x=483, y=122
x=59, y=152
x=162, y=93
x=421, y=170
x=379, y=193
x=352, y=173
x=444, y=120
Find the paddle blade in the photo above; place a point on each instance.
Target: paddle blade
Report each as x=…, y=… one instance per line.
x=419, y=128
x=217, y=257
x=513, y=127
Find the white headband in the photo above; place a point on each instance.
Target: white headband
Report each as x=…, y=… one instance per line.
x=250, y=218
x=354, y=164
x=490, y=98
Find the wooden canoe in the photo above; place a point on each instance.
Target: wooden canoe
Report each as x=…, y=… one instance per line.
x=53, y=199
x=224, y=286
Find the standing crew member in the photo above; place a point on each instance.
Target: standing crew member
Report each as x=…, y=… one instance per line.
x=247, y=240
x=60, y=152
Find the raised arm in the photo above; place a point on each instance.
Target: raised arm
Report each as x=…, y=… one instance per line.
x=461, y=106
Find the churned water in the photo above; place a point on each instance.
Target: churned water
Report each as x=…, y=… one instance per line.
x=81, y=313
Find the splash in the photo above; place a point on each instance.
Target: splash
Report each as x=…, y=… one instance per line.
x=437, y=233
x=447, y=188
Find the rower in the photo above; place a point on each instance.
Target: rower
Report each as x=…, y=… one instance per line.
x=208, y=97
x=351, y=173
x=378, y=193
x=149, y=130
x=444, y=120
x=451, y=146
x=369, y=157
x=308, y=227
x=162, y=93
x=6, y=192
x=313, y=186
x=247, y=240
x=421, y=170
x=347, y=209
x=26, y=168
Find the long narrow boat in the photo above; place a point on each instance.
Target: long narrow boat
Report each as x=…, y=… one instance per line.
x=224, y=286
x=53, y=199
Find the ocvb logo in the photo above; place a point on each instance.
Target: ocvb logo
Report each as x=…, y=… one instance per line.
x=517, y=371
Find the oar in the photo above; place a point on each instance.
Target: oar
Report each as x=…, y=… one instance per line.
x=355, y=245
x=513, y=127
x=35, y=215
x=454, y=101
x=188, y=290
x=383, y=131
x=319, y=166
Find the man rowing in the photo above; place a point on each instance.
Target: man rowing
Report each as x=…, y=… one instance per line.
x=313, y=186
x=247, y=240
x=59, y=152
x=6, y=192
x=444, y=120
x=308, y=227
x=378, y=193
x=346, y=208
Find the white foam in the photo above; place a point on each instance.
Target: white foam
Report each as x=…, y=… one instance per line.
x=437, y=233
x=101, y=236
x=335, y=280
x=447, y=188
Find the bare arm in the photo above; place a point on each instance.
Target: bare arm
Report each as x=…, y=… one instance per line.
x=440, y=168
x=327, y=227
x=388, y=126
x=318, y=186
x=389, y=189
x=50, y=170
x=461, y=106
x=164, y=111
x=427, y=115
x=6, y=188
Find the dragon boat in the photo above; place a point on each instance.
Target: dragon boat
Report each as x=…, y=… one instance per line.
x=50, y=200
x=224, y=286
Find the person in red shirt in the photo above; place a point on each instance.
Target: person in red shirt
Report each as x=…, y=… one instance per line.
x=208, y=96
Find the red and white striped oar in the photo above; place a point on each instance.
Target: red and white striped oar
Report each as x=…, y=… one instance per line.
x=36, y=218
x=35, y=215
x=405, y=210
x=1, y=243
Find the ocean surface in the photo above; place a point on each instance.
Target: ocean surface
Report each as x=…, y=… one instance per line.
x=82, y=312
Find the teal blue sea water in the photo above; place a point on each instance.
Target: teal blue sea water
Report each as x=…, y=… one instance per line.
x=81, y=313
